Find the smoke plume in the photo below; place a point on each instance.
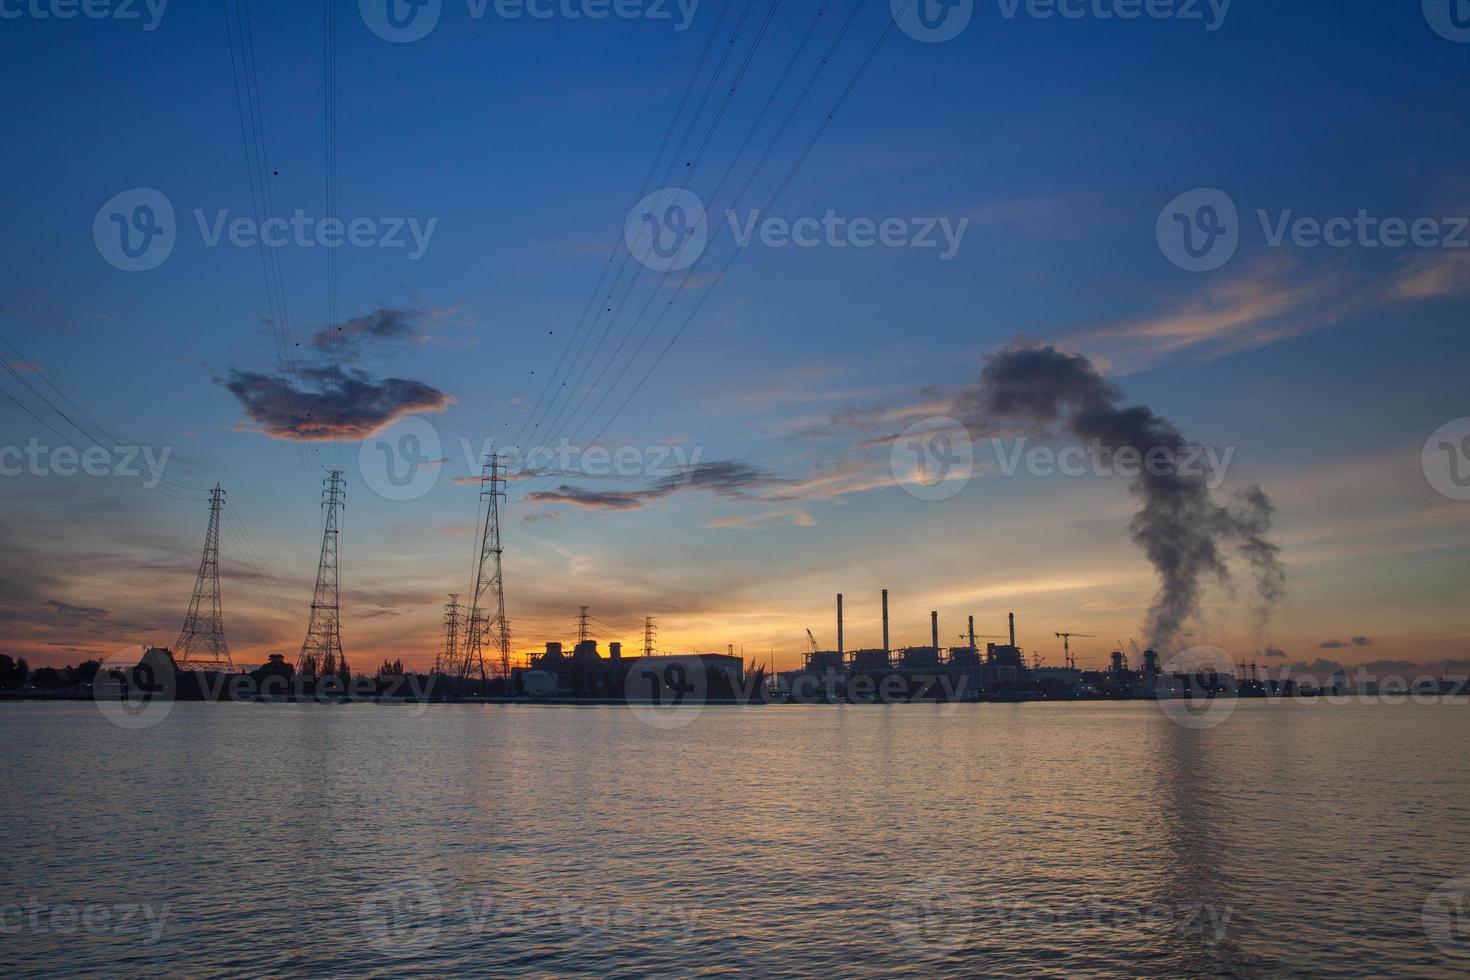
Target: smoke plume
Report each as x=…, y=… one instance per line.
x=1184, y=532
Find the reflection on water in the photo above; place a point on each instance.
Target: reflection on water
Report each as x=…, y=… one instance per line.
x=1102, y=839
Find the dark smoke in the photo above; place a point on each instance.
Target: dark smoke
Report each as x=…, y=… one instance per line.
x=1042, y=392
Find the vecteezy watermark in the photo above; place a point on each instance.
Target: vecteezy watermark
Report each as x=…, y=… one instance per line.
x=401, y=916
x=136, y=688
x=1450, y=19
x=128, y=462
x=941, y=915
x=833, y=230
x=42, y=918
x=669, y=229
x=1197, y=687
x=932, y=459
x=405, y=460
x=1206, y=464
x=136, y=231
x=1200, y=230
x=1446, y=917
x=149, y=13
x=411, y=914
x=402, y=462
x=1446, y=459
x=933, y=21
x=667, y=693
x=404, y=21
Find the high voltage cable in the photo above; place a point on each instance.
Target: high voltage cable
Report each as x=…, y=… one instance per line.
x=668, y=173
x=249, y=110
x=618, y=240
x=790, y=174
x=689, y=170
x=734, y=161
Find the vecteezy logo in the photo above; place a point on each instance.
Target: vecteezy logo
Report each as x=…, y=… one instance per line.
x=1199, y=230
x=135, y=230
x=933, y=459
x=1449, y=18
x=1446, y=917
x=1446, y=459
x=666, y=692
x=937, y=915
x=400, y=21
x=932, y=21
x=134, y=688
x=401, y=916
x=667, y=230
x=1197, y=688
x=402, y=462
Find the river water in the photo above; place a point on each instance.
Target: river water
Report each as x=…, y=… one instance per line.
x=1101, y=839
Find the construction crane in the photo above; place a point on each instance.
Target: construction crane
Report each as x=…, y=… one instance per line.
x=811, y=642
x=1067, y=647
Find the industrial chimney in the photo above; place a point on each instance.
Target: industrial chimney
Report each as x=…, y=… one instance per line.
x=839, y=622
x=885, y=620
x=934, y=627
x=972, y=632
x=1013, y=629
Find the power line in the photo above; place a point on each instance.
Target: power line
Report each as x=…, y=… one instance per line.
x=790, y=174
x=618, y=239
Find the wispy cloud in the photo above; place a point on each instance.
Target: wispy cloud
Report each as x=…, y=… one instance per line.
x=1269, y=302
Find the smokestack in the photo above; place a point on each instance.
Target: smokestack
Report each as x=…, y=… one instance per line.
x=839, y=622
x=1013, y=629
x=934, y=626
x=615, y=650
x=972, y=632
x=885, y=620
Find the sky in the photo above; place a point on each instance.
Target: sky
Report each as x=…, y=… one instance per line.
x=1036, y=174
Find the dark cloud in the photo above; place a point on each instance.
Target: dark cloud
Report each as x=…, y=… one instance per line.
x=1331, y=645
x=1274, y=652
x=82, y=614
x=329, y=403
x=1362, y=641
x=1043, y=392
x=380, y=326
x=725, y=478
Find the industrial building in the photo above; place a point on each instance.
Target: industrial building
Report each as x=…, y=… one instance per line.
x=658, y=678
x=932, y=671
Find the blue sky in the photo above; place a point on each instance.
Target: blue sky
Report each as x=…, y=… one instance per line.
x=526, y=142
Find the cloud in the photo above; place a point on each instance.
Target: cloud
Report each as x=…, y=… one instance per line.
x=328, y=403
x=1336, y=644
x=1331, y=645
x=1274, y=652
x=1362, y=641
x=1268, y=302
x=382, y=325
x=725, y=478
x=86, y=615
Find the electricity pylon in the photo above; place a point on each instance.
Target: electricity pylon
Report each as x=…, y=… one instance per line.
x=321, y=651
x=444, y=662
x=201, y=644
x=489, y=584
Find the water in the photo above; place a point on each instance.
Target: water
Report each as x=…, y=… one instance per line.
x=1042, y=839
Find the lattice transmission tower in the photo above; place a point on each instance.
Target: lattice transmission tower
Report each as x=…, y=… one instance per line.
x=321, y=651
x=201, y=644
x=487, y=603
x=444, y=661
